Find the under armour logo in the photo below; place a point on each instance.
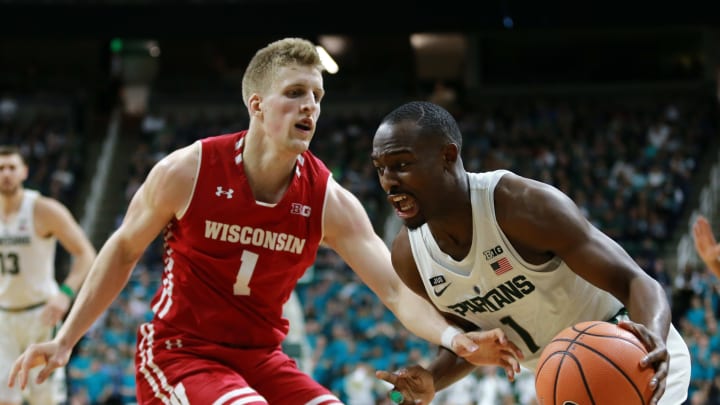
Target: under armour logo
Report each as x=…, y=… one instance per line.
x=170, y=344
x=227, y=193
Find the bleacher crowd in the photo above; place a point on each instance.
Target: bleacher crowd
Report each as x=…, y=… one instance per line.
x=629, y=165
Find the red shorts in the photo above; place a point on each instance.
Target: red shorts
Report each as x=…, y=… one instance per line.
x=171, y=368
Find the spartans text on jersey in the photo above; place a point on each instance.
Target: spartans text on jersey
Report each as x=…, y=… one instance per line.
x=495, y=299
x=14, y=240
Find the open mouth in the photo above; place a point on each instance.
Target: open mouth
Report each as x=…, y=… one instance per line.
x=405, y=205
x=305, y=124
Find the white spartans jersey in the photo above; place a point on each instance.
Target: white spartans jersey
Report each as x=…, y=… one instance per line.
x=493, y=287
x=27, y=261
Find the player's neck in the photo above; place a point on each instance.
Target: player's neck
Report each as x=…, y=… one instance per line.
x=268, y=172
x=454, y=235
x=453, y=225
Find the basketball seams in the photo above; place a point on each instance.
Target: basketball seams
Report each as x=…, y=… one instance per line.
x=627, y=340
x=589, y=338
x=566, y=355
x=609, y=361
x=587, y=331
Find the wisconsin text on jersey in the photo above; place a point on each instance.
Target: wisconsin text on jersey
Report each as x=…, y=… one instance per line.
x=495, y=299
x=248, y=235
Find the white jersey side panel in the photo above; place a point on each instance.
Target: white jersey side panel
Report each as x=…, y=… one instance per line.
x=493, y=287
x=27, y=261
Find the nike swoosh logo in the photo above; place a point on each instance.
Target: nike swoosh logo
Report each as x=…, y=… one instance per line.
x=441, y=291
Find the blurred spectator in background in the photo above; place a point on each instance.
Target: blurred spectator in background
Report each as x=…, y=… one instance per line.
x=32, y=304
x=8, y=108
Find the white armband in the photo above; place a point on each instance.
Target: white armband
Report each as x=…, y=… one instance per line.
x=447, y=337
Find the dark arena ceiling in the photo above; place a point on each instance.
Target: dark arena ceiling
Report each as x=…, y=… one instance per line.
x=209, y=18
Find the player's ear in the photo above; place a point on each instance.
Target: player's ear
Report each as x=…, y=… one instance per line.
x=254, y=103
x=450, y=152
x=24, y=171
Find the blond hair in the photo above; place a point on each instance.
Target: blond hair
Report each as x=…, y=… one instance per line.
x=263, y=67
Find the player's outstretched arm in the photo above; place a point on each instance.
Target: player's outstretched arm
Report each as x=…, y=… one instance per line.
x=348, y=231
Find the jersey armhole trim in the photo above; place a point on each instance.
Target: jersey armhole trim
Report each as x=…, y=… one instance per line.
x=182, y=212
x=324, y=210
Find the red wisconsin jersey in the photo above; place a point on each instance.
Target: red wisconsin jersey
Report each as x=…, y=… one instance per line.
x=232, y=262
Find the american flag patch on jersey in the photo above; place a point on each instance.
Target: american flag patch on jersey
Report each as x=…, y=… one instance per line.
x=501, y=266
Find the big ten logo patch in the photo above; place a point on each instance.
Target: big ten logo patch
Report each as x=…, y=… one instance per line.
x=300, y=209
x=491, y=253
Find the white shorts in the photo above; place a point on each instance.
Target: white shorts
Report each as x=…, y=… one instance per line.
x=678, y=379
x=17, y=331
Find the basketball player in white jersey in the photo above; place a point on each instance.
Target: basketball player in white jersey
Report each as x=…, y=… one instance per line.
x=31, y=302
x=496, y=250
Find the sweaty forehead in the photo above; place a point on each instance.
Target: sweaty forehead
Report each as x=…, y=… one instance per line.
x=403, y=134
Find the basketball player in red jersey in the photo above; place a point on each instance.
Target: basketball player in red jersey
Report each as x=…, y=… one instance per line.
x=242, y=217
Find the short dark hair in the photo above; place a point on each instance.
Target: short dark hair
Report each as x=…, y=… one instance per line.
x=432, y=119
x=8, y=150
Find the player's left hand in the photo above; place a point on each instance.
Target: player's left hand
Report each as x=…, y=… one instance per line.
x=494, y=349
x=415, y=383
x=55, y=309
x=657, y=357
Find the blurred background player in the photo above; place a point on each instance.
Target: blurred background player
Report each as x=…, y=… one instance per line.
x=32, y=304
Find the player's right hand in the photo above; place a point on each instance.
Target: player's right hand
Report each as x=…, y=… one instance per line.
x=657, y=357
x=47, y=354
x=415, y=383
x=494, y=349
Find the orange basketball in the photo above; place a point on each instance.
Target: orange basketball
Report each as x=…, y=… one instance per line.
x=593, y=363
